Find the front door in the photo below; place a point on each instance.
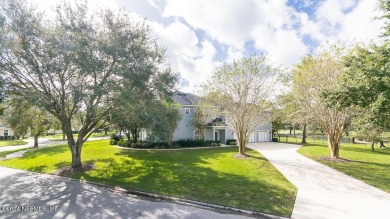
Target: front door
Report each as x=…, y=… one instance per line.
x=216, y=136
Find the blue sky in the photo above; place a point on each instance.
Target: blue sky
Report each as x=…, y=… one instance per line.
x=200, y=35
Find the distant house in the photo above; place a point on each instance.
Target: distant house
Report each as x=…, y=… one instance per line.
x=5, y=132
x=216, y=129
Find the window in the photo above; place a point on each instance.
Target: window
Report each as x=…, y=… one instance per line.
x=5, y=133
x=198, y=135
x=187, y=111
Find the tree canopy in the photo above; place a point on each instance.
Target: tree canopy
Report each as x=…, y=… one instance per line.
x=313, y=76
x=243, y=90
x=79, y=62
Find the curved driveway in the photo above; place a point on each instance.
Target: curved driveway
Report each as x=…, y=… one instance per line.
x=322, y=191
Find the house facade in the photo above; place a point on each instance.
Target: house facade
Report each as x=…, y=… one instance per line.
x=5, y=132
x=216, y=130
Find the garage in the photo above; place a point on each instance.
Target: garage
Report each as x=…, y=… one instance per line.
x=263, y=136
x=252, y=138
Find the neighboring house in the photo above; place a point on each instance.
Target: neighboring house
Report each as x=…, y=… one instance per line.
x=5, y=131
x=216, y=129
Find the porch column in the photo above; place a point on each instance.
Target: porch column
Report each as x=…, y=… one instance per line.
x=225, y=136
x=213, y=134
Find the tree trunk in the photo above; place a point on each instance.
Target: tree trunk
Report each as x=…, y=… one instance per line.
x=170, y=140
x=36, y=141
x=381, y=144
x=76, y=156
x=334, y=147
x=293, y=130
x=304, y=134
x=74, y=146
x=135, y=134
x=241, y=146
x=128, y=135
x=372, y=146
x=63, y=136
x=105, y=131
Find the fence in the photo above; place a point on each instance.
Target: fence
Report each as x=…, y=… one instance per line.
x=309, y=139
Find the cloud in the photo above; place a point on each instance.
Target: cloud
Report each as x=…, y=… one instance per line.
x=360, y=25
x=228, y=22
x=199, y=34
x=191, y=57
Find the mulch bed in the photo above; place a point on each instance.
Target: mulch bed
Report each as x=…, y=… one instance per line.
x=68, y=171
x=334, y=160
x=240, y=156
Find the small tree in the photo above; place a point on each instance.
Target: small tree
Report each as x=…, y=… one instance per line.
x=313, y=76
x=23, y=116
x=204, y=114
x=168, y=118
x=368, y=130
x=242, y=91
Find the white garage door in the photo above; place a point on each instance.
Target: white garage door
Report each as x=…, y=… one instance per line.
x=252, y=138
x=263, y=136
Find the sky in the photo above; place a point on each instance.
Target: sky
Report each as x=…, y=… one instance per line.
x=200, y=35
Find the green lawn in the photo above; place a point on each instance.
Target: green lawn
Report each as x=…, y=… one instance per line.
x=4, y=143
x=370, y=167
x=208, y=175
x=59, y=137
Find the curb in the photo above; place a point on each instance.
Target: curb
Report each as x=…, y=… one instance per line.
x=198, y=204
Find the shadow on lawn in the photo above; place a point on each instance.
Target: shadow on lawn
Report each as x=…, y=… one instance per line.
x=363, y=148
x=45, y=151
x=190, y=177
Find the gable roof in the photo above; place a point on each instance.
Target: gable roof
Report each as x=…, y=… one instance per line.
x=185, y=98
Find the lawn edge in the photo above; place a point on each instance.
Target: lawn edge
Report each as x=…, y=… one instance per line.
x=173, y=149
x=116, y=189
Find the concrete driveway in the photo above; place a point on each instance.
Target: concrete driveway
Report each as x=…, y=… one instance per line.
x=322, y=191
x=45, y=196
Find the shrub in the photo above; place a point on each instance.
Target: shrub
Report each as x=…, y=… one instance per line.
x=275, y=140
x=113, y=142
x=121, y=142
x=116, y=137
x=196, y=143
x=159, y=145
x=231, y=142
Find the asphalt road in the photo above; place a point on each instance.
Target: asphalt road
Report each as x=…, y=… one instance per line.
x=31, y=195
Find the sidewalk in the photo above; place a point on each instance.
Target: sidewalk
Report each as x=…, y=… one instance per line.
x=42, y=143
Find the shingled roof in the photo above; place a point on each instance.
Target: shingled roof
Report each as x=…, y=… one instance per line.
x=185, y=98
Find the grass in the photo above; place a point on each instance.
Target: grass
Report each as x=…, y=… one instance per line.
x=4, y=143
x=370, y=167
x=59, y=137
x=208, y=175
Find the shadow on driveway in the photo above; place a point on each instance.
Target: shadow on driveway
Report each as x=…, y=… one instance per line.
x=70, y=199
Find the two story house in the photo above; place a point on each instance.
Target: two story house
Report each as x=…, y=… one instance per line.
x=216, y=129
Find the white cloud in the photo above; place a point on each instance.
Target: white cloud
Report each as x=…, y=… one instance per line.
x=192, y=31
x=228, y=22
x=360, y=25
x=194, y=59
